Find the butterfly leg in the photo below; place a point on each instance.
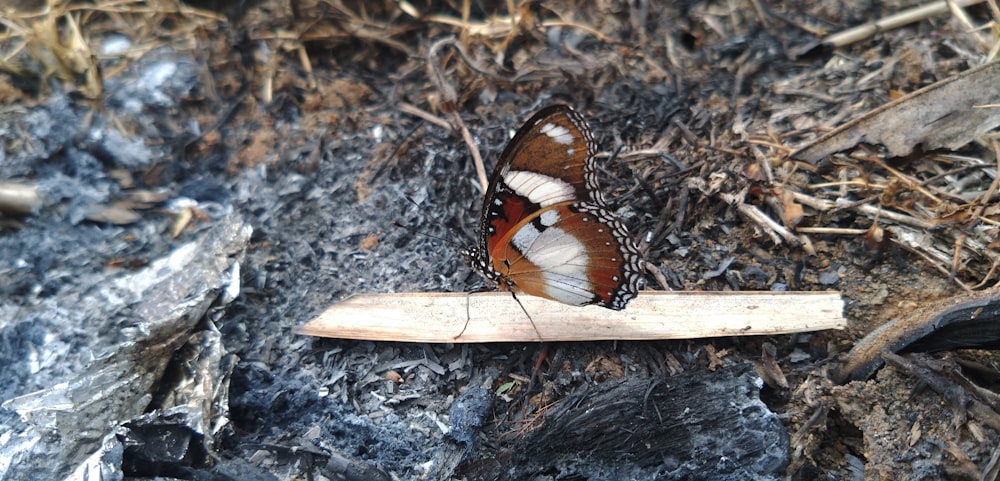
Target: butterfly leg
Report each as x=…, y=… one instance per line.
x=543, y=356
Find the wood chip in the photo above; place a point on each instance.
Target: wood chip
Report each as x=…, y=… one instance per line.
x=19, y=199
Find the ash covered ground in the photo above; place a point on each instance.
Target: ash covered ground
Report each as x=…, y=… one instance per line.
x=287, y=141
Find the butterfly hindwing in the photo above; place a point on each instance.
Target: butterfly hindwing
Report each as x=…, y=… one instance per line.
x=575, y=253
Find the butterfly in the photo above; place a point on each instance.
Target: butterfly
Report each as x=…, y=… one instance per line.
x=545, y=229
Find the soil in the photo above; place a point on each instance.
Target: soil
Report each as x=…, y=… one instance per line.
x=323, y=123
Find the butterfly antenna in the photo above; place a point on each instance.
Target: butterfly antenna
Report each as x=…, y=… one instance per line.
x=432, y=236
x=414, y=231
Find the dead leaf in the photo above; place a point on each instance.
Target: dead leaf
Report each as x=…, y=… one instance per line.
x=605, y=367
x=949, y=114
x=768, y=369
x=791, y=211
x=876, y=239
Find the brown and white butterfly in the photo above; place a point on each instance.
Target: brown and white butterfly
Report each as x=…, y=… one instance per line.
x=545, y=229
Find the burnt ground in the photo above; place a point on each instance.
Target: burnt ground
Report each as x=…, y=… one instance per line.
x=316, y=126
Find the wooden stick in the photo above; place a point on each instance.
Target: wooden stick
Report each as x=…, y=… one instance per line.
x=894, y=21
x=496, y=317
x=830, y=230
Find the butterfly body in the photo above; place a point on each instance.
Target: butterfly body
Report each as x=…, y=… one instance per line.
x=545, y=229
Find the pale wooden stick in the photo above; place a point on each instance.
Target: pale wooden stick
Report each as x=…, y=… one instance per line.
x=769, y=225
x=418, y=112
x=830, y=230
x=894, y=21
x=496, y=317
x=871, y=210
x=477, y=160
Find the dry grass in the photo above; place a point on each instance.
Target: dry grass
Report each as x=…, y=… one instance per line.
x=60, y=41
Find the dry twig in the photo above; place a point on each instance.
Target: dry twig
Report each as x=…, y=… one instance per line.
x=859, y=33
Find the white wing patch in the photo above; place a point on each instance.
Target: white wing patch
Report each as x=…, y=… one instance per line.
x=538, y=188
x=558, y=133
x=561, y=258
x=549, y=217
x=524, y=238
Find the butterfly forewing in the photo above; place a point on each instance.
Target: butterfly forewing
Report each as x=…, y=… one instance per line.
x=556, y=143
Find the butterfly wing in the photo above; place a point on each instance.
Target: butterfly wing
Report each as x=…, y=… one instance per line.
x=545, y=229
x=576, y=253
